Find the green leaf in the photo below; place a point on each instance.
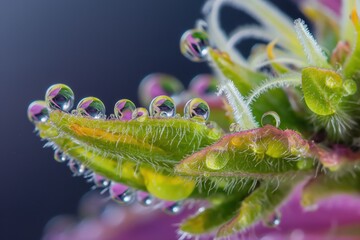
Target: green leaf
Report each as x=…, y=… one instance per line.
x=141, y=154
x=263, y=201
x=323, y=90
x=351, y=66
x=262, y=153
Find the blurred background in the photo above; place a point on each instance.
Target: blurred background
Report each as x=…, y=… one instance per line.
x=99, y=48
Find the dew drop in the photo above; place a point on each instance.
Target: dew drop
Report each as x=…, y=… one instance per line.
x=38, y=112
x=140, y=114
x=157, y=84
x=145, y=198
x=350, y=87
x=172, y=208
x=76, y=167
x=197, y=108
x=121, y=193
x=100, y=181
x=194, y=45
x=271, y=118
x=162, y=106
x=331, y=82
x=59, y=156
x=216, y=159
x=92, y=107
x=273, y=220
x=60, y=96
x=124, y=109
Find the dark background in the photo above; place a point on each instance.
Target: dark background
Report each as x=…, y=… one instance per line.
x=98, y=47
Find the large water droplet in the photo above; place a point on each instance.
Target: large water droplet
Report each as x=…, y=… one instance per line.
x=100, y=181
x=197, y=108
x=273, y=220
x=172, y=208
x=92, y=107
x=76, y=167
x=140, y=114
x=157, y=84
x=194, y=45
x=60, y=96
x=59, y=156
x=162, y=106
x=124, y=109
x=145, y=198
x=217, y=159
x=121, y=193
x=38, y=112
x=350, y=87
x=271, y=118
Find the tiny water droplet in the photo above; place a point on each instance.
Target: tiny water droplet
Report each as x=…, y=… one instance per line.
x=172, y=208
x=271, y=118
x=92, y=107
x=100, y=181
x=124, y=109
x=194, y=45
x=38, y=112
x=140, y=114
x=60, y=96
x=162, y=106
x=145, y=198
x=273, y=220
x=59, y=156
x=350, y=87
x=197, y=107
x=76, y=167
x=121, y=193
x=157, y=84
x=235, y=127
x=217, y=159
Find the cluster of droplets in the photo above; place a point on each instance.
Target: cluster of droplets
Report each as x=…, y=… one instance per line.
x=61, y=97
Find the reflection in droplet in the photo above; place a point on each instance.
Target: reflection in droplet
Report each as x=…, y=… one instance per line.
x=122, y=194
x=38, y=112
x=172, y=208
x=194, y=45
x=76, y=167
x=235, y=127
x=92, y=107
x=197, y=107
x=273, y=220
x=100, y=181
x=124, y=109
x=59, y=156
x=216, y=159
x=162, y=106
x=271, y=118
x=145, y=198
x=60, y=96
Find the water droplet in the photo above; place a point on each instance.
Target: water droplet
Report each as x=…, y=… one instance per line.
x=157, y=84
x=59, y=156
x=194, y=45
x=350, y=87
x=92, y=107
x=76, y=167
x=140, y=114
x=121, y=193
x=197, y=107
x=162, y=106
x=217, y=159
x=145, y=198
x=100, y=181
x=271, y=118
x=235, y=127
x=60, y=96
x=38, y=112
x=172, y=208
x=273, y=220
x=124, y=109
